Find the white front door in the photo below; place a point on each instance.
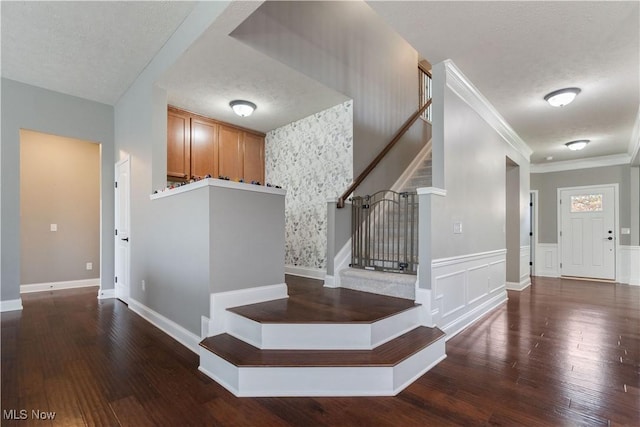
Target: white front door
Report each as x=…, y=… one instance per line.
x=122, y=216
x=588, y=232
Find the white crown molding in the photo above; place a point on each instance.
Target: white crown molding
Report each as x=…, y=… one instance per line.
x=634, y=143
x=593, y=162
x=463, y=87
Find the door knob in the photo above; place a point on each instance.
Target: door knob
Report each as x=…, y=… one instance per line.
x=126, y=239
x=608, y=238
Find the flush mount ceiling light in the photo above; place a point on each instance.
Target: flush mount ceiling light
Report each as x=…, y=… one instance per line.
x=577, y=145
x=242, y=108
x=562, y=97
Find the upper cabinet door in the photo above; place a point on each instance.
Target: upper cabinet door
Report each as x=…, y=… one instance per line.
x=178, y=150
x=253, y=158
x=230, y=153
x=204, y=148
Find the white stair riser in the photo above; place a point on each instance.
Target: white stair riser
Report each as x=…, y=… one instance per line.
x=322, y=336
x=321, y=381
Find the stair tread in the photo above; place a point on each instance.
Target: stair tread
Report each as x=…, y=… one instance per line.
x=241, y=354
x=337, y=305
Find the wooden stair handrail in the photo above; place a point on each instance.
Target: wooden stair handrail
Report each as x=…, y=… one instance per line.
x=383, y=153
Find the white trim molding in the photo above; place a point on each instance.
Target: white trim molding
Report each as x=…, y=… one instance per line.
x=593, y=162
x=525, y=278
x=11, y=305
x=634, y=142
x=53, y=286
x=340, y=262
x=629, y=265
x=168, y=326
x=106, y=293
x=432, y=190
x=462, y=86
x=466, y=287
x=220, y=301
x=312, y=273
x=546, y=257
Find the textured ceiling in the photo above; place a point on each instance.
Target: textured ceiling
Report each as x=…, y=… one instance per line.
x=92, y=50
x=218, y=69
x=516, y=52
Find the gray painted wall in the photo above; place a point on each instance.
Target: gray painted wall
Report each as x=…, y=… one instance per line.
x=140, y=130
x=59, y=184
x=512, y=221
x=33, y=108
x=474, y=175
x=548, y=183
x=347, y=47
x=247, y=239
x=206, y=240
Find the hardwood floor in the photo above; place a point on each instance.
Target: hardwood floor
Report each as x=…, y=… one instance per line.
x=562, y=352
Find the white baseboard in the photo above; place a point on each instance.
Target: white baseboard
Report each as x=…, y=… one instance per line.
x=468, y=319
x=220, y=301
x=52, y=286
x=168, y=326
x=312, y=273
x=524, y=283
x=11, y=305
x=106, y=293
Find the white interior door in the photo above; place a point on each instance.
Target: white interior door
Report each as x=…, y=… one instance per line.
x=588, y=232
x=122, y=221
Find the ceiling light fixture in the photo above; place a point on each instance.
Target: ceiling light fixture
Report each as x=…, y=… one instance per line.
x=577, y=145
x=562, y=97
x=242, y=108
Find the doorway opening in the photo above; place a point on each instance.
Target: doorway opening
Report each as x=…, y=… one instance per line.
x=587, y=231
x=512, y=224
x=60, y=218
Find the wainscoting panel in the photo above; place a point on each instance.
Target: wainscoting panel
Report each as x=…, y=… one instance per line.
x=547, y=260
x=466, y=288
x=629, y=265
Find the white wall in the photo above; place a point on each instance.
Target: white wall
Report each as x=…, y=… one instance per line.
x=312, y=160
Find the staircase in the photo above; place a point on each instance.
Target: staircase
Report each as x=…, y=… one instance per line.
x=387, y=283
x=324, y=342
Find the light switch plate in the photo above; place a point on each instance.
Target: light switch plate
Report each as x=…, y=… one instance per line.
x=457, y=228
x=625, y=231
x=54, y=227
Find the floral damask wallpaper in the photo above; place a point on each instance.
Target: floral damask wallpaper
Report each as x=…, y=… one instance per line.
x=313, y=160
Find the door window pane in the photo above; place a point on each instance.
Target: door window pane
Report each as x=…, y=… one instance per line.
x=586, y=203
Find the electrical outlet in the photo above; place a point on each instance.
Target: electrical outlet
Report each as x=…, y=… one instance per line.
x=54, y=227
x=144, y=285
x=457, y=228
x=89, y=266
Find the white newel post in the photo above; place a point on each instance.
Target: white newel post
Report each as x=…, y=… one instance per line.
x=423, y=282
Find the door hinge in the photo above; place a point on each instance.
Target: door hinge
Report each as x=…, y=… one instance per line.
x=531, y=204
x=560, y=201
x=116, y=231
x=531, y=233
x=530, y=263
x=560, y=265
x=116, y=279
x=116, y=184
x=560, y=233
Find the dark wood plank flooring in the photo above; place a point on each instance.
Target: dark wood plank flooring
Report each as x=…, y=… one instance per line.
x=390, y=353
x=325, y=305
x=561, y=353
